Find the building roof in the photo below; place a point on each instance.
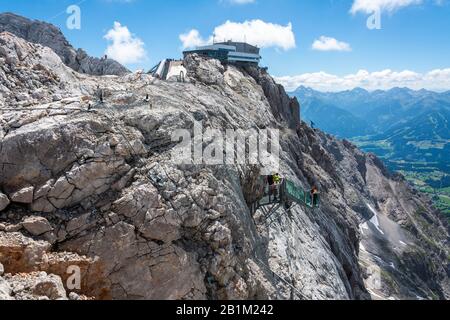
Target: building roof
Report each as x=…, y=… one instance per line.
x=229, y=46
x=241, y=46
x=214, y=47
x=229, y=51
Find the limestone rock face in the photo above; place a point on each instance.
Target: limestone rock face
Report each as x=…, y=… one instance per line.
x=282, y=106
x=31, y=74
x=5, y=290
x=137, y=224
x=34, y=286
x=24, y=257
x=208, y=73
x=49, y=36
x=21, y=254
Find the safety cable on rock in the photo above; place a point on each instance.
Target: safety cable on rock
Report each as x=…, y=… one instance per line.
x=269, y=219
x=66, y=108
x=254, y=253
x=281, y=278
x=268, y=224
x=133, y=152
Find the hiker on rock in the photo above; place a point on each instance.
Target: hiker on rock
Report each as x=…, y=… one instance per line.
x=271, y=184
x=277, y=178
x=276, y=184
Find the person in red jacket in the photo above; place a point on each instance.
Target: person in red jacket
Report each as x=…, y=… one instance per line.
x=314, y=196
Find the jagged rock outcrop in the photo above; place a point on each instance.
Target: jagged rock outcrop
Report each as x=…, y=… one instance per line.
x=36, y=225
x=141, y=226
x=30, y=262
x=284, y=108
x=35, y=286
x=4, y=201
x=49, y=36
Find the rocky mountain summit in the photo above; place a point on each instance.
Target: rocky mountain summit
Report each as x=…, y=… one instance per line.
x=91, y=185
x=49, y=36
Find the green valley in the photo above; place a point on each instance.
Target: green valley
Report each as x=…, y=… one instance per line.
x=408, y=130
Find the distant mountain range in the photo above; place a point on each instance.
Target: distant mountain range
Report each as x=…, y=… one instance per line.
x=408, y=129
x=359, y=112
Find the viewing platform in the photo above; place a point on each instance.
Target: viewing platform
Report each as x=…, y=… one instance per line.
x=285, y=194
x=239, y=53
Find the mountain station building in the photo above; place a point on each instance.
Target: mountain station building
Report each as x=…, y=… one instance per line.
x=239, y=53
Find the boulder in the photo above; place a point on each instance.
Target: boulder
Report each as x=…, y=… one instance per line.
x=4, y=201
x=78, y=224
x=74, y=296
x=26, y=258
x=37, y=286
x=21, y=254
x=36, y=225
x=207, y=71
x=5, y=290
x=24, y=196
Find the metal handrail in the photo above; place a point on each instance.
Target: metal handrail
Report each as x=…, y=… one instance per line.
x=286, y=192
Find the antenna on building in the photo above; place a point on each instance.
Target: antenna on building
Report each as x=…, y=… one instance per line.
x=214, y=38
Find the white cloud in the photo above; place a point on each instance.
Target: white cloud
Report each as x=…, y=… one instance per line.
x=330, y=44
x=193, y=39
x=438, y=80
x=256, y=32
x=370, y=6
x=125, y=47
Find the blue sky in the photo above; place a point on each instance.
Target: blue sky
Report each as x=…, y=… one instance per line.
x=411, y=44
